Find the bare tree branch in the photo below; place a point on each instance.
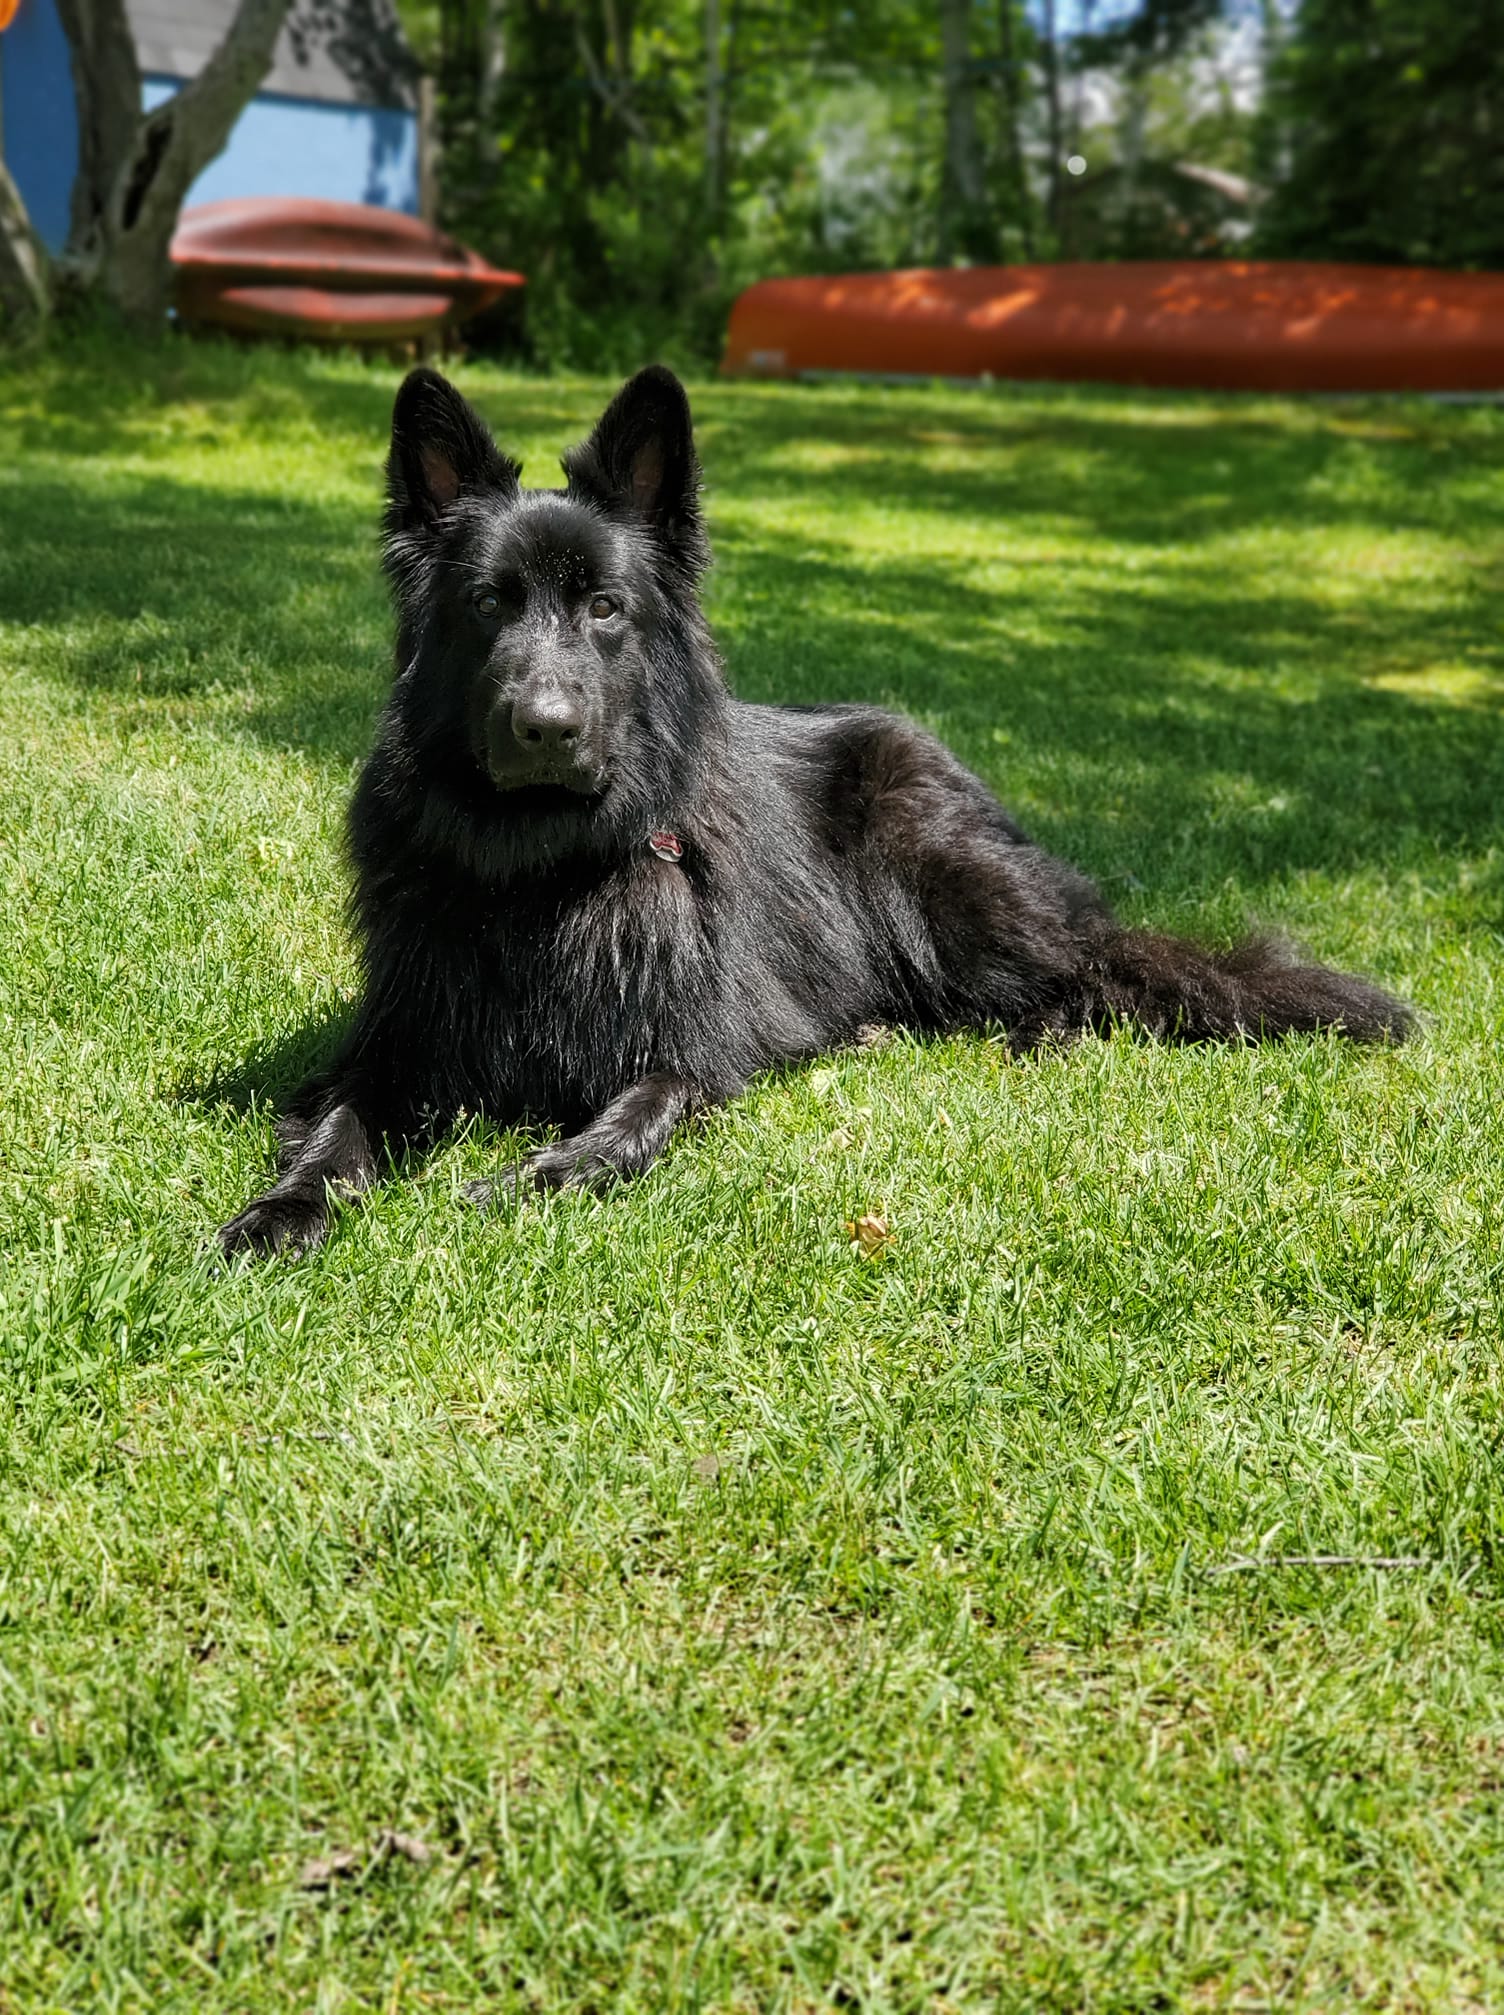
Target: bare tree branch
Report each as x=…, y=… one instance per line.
x=135, y=169
x=107, y=95
x=1247, y=1563
x=25, y=281
x=966, y=223
x=210, y=103
x=612, y=96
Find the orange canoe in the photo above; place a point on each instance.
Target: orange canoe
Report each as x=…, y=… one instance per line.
x=1257, y=326
x=331, y=272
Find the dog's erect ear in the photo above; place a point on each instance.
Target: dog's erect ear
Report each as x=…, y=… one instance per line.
x=441, y=450
x=641, y=461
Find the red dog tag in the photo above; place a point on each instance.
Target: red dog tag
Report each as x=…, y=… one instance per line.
x=667, y=846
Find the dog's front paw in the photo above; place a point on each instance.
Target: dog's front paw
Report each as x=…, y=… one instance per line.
x=515, y=1180
x=285, y=1224
x=567, y=1164
x=580, y=1163
x=481, y=1195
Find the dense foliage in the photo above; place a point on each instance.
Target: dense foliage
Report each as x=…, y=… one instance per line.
x=642, y=160
x=1384, y=133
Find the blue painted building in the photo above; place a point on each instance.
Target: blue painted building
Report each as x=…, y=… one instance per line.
x=336, y=115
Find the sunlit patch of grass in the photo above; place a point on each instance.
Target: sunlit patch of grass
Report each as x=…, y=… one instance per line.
x=739, y=1613
x=1459, y=684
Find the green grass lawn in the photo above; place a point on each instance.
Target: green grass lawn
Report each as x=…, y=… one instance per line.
x=722, y=1619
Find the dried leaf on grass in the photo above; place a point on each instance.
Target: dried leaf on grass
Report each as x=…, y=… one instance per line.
x=869, y=1235
x=347, y=1862
x=331, y=1868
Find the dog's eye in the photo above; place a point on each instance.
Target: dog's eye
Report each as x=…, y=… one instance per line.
x=601, y=607
x=486, y=603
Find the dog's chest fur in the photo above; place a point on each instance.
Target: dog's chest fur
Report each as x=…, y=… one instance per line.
x=546, y=999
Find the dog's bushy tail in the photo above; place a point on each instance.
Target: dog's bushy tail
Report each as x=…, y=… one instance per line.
x=1259, y=989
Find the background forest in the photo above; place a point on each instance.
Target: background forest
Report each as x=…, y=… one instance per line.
x=643, y=160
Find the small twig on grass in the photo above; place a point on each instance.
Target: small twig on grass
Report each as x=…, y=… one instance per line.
x=1243, y=1562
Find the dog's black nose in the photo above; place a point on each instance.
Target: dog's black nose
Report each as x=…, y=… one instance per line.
x=545, y=721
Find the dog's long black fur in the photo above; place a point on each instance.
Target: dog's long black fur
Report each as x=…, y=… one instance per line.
x=594, y=889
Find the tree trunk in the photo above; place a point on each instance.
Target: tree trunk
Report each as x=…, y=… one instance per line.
x=731, y=42
x=713, y=151
x=134, y=171
x=1017, y=172
x=1134, y=124
x=1052, y=102
x=25, y=280
x=493, y=55
x=428, y=150
x=965, y=219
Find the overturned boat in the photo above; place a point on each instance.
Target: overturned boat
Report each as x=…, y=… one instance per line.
x=327, y=272
x=1283, y=326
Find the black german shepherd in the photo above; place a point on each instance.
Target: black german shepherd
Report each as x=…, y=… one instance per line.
x=592, y=888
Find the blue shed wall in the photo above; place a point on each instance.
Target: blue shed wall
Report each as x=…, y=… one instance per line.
x=280, y=146
x=37, y=120
x=297, y=147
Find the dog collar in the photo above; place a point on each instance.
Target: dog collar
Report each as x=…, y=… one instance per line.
x=667, y=846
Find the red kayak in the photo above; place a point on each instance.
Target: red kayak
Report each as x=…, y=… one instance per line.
x=328, y=272
x=1233, y=325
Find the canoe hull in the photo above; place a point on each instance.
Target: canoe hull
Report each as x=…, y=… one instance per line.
x=326, y=272
x=1222, y=326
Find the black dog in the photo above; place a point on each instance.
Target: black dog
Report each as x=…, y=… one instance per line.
x=593, y=888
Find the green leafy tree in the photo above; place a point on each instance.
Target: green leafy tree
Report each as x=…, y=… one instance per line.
x=1383, y=134
x=1170, y=154
x=643, y=160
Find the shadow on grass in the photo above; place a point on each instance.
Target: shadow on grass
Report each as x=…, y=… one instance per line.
x=85, y=400
x=1121, y=707
x=269, y=1076
x=1137, y=718
x=1153, y=469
